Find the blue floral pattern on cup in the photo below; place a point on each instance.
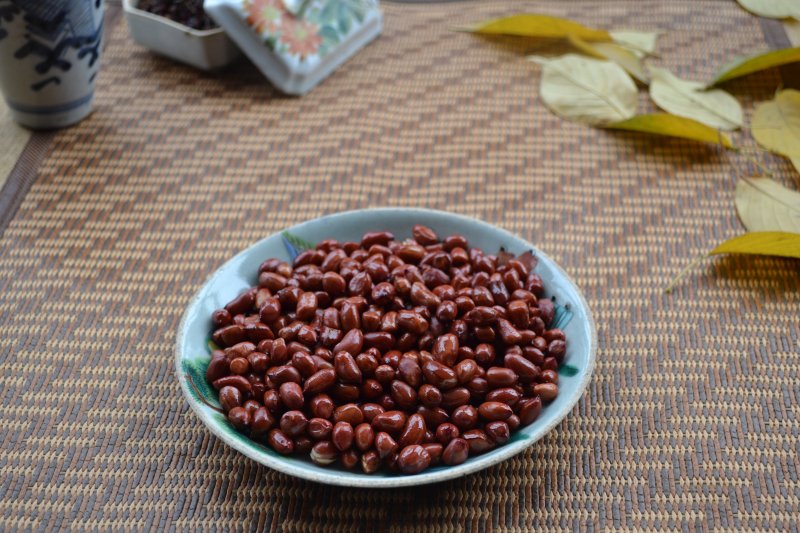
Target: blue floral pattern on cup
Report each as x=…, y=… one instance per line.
x=52, y=28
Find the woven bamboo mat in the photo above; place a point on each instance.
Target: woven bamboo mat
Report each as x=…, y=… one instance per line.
x=690, y=421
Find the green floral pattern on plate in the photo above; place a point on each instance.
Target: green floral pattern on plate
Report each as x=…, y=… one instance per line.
x=201, y=390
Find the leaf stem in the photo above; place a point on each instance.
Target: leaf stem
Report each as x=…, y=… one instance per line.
x=737, y=169
x=743, y=152
x=683, y=273
x=757, y=163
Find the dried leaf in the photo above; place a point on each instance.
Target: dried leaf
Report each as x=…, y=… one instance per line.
x=613, y=52
x=796, y=162
x=770, y=243
x=775, y=243
x=641, y=43
x=747, y=65
x=685, y=98
x=773, y=9
x=587, y=90
x=673, y=126
x=765, y=205
x=535, y=25
x=776, y=124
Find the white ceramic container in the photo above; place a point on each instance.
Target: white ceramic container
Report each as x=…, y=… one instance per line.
x=49, y=58
x=203, y=49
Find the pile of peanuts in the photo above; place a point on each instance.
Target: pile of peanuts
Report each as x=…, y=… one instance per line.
x=402, y=354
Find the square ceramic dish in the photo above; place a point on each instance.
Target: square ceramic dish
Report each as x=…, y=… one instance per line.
x=203, y=49
x=296, y=52
x=192, y=352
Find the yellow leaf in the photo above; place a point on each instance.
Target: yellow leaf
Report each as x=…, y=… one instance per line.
x=771, y=243
x=796, y=162
x=613, y=52
x=776, y=124
x=773, y=9
x=641, y=43
x=673, y=126
x=534, y=25
x=765, y=205
x=775, y=243
x=587, y=90
x=686, y=98
x=747, y=65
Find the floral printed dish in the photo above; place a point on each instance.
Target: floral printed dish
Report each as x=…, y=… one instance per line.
x=297, y=44
x=193, y=353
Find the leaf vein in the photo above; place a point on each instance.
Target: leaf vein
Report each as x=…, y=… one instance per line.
x=590, y=89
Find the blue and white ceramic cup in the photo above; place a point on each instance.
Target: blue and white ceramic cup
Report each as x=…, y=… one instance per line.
x=49, y=57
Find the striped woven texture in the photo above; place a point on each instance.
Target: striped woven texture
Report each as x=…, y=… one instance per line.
x=690, y=421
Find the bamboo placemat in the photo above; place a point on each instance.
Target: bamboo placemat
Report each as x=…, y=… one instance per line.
x=690, y=421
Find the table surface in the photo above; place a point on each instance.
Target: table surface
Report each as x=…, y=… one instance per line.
x=109, y=227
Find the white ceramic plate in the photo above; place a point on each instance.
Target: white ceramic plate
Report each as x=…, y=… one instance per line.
x=192, y=353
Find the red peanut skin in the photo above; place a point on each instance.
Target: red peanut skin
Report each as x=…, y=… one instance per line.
x=388, y=354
